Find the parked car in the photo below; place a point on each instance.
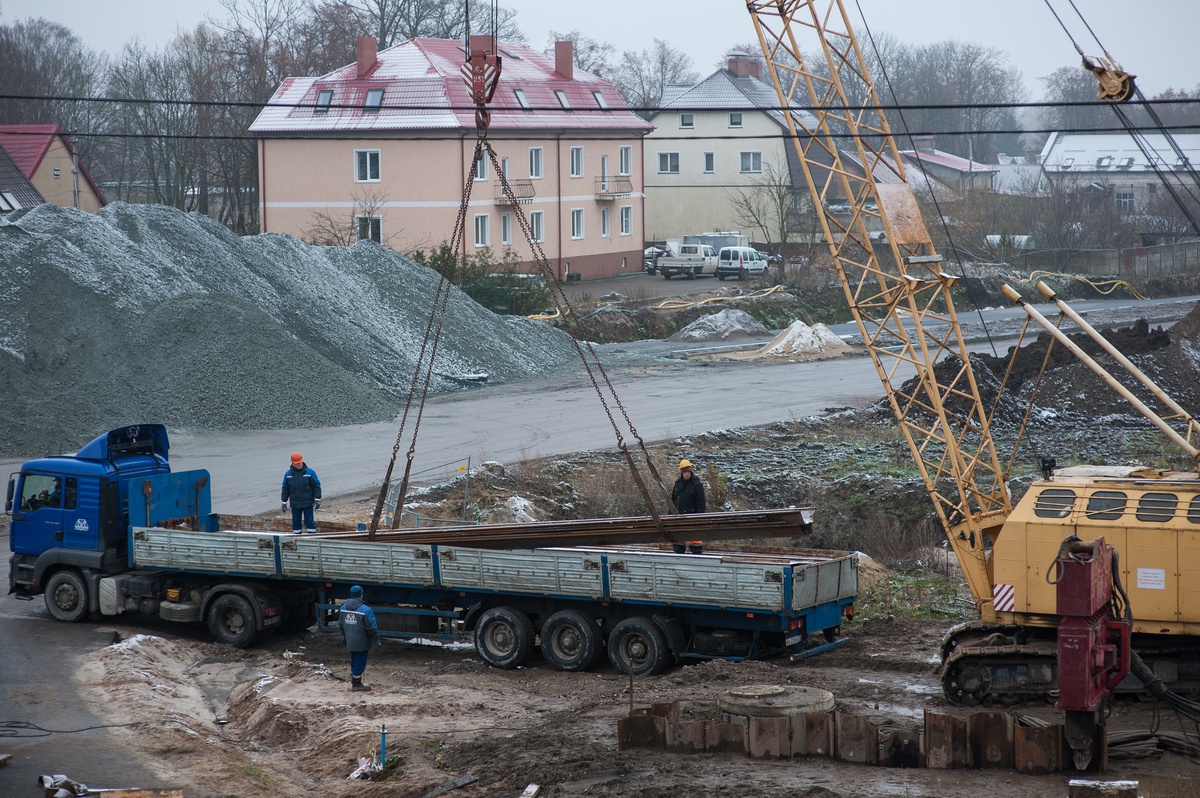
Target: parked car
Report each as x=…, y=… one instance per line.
x=690, y=260
x=652, y=254
x=740, y=262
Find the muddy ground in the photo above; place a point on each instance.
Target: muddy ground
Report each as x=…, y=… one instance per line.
x=280, y=720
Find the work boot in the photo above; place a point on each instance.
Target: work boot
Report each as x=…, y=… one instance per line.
x=356, y=684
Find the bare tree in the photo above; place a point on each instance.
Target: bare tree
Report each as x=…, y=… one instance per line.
x=1074, y=84
x=329, y=229
x=394, y=21
x=641, y=78
x=770, y=204
x=589, y=55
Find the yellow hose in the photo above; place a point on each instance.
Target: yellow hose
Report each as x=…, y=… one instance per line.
x=1100, y=287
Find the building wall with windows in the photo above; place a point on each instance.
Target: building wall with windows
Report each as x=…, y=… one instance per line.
x=395, y=174
x=710, y=141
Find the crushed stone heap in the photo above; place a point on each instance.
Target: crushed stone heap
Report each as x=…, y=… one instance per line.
x=146, y=313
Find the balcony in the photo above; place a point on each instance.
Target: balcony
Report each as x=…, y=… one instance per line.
x=611, y=188
x=522, y=192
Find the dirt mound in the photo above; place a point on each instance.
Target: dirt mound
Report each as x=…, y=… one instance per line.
x=140, y=313
x=727, y=325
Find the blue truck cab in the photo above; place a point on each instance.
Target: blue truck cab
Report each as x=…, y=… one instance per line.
x=72, y=510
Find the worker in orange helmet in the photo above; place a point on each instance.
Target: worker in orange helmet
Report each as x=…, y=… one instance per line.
x=688, y=497
x=303, y=489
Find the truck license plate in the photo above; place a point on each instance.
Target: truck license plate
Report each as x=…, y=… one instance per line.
x=793, y=640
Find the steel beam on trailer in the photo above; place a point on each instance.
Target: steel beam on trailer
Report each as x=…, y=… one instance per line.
x=743, y=525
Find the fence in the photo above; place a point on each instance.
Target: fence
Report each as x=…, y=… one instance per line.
x=1164, y=260
x=444, y=474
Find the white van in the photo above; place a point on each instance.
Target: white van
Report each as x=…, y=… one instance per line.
x=740, y=262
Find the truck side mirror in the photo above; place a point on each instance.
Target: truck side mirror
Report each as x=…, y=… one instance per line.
x=8, y=500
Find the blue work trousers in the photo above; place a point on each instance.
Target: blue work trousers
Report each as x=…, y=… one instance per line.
x=358, y=663
x=310, y=523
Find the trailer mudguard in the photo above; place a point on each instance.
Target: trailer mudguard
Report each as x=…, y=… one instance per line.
x=97, y=562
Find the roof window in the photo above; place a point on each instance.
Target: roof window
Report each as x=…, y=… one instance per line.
x=324, y=98
x=374, y=101
x=8, y=202
x=600, y=101
x=1067, y=163
x=1125, y=163
x=562, y=99
x=522, y=100
x=1104, y=161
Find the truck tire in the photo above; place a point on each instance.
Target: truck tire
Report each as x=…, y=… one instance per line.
x=231, y=620
x=722, y=643
x=636, y=647
x=571, y=641
x=179, y=611
x=721, y=277
x=666, y=275
x=504, y=637
x=66, y=596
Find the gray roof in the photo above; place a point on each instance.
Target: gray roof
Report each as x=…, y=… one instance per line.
x=722, y=90
x=1114, y=152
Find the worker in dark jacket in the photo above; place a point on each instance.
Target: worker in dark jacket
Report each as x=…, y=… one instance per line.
x=688, y=497
x=360, y=631
x=302, y=488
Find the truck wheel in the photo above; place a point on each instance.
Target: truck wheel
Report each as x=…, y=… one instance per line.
x=231, y=620
x=691, y=275
x=666, y=276
x=721, y=277
x=571, y=640
x=504, y=637
x=66, y=596
x=637, y=647
x=723, y=643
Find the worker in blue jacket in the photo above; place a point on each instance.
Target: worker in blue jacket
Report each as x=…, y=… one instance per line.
x=302, y=488
x=360, y=631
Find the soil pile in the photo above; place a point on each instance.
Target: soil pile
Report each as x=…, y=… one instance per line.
x=799, y=340
x=727, y=325
x=146, y=313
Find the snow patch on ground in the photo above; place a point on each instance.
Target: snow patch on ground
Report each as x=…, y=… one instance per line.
x=727, y=325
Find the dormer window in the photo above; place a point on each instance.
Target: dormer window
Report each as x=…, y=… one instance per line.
x=324, y=98
x=600, y=101
x=374, y=101
x=562, y=99
x=522, y=100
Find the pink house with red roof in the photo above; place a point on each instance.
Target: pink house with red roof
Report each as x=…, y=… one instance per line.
x=386, y=144
x=45, y=156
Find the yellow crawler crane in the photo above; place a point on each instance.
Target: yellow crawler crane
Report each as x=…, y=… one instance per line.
x=900, y=298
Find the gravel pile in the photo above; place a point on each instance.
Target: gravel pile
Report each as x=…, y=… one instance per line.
x=145, y=313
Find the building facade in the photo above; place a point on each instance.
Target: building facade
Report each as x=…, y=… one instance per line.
x=45, y=156
x=384, y=147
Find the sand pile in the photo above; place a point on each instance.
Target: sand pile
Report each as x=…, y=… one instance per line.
x=799, y=341
x=727, y=325
x=145, y=313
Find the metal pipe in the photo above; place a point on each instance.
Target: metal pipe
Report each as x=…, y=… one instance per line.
x=1099, y=370
x=1104, y=343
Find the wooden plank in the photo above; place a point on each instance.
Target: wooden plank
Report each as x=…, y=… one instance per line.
x=770, y=737
x=991, y=738
x=1038, y=750
x=946, y=742
x=685, y=737
x=641, y=731
x=725, y=738
x=856, y=739
x=812, y=734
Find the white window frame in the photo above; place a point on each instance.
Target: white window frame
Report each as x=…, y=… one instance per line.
x=537, y=226
x=671, y=159
x=374, y=228
x=506, y=229
x=750, y=162
x=735, y=119
x=600, y=101
x=504, y=167
x=562, y=99
x=522, y=100
x=363, y=161
x=535, y=163
x=482, y=231
x=710, y=163
x=481, y=171
x=625, y=218
x=687, y=121
x=1125, y=200
x=577, y=162
x=625, y=161
x=324, y=100
x=605, y=232
x=576, y=224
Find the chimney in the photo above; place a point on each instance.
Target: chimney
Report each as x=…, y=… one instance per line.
x=923, y=143
x=564, y=58
x=364, y=50
x=744, y=65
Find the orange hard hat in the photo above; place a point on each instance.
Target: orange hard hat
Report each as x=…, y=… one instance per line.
x=297, y=457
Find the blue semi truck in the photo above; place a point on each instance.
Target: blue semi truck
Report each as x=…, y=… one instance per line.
x=112, y=531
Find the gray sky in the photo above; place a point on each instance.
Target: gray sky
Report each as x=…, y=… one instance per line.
x=1155, y=39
